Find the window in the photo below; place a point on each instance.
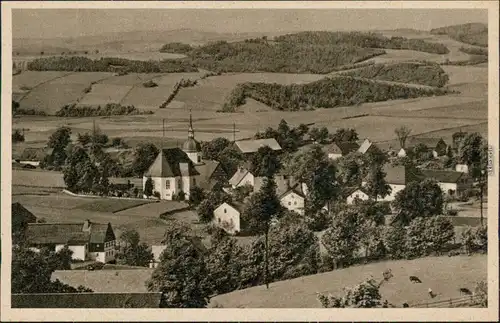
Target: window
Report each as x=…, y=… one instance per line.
x=289, y=203
x=199, y=159
x=194, y=181
x=167, y=184
x=179, y=184
x=219, y=220
x=225, y=210
x=295, y=203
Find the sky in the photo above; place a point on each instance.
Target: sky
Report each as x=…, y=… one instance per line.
x=54, y=23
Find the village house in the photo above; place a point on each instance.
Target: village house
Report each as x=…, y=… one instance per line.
x=228, y=217
x=293, y=199
x=437, y=145
x=177, y=170
x=242, y=177
x=451, y=182
x=248, y=147
x=356, y=193
x=337, y=150
x=397, y=177
x=87, y=240
x=21, y=217
x=33, y=156
x=462, y=168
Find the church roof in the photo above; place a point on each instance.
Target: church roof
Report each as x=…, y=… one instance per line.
x=191, y=146
x=172, y=162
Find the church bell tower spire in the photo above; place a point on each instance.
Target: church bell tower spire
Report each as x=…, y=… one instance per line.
x=190, y=130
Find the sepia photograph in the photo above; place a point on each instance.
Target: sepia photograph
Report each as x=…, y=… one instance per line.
x=249, y=157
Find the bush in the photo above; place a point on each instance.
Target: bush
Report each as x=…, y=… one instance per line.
x=452, y=212
x=157, y=194
x=149, y=83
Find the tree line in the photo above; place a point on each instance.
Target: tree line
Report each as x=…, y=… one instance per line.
x=324, y=93
x=425, y=74
x=471, y=33
x=110, y=109
x=110, y=64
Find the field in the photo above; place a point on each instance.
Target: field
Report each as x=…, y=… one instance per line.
x=102, y=94
x=444, y=275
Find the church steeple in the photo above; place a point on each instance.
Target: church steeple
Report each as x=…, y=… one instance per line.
x=190, y=130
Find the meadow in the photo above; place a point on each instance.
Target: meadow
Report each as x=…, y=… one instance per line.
x=444, y=275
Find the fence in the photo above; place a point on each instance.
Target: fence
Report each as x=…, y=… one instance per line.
x=451, y=302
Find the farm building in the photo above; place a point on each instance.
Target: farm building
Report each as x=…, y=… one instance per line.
x=337, y=150
x=463, y=168
x=283, y=183
x=33, y=156
x=87, y=300
x=437, y=145
x=178, y=170
x=397, y=177
x=247, y=147
x=87, y=240
x=228, y=217
x=293, y=199
x=20, y=219
x=450, y=182
x=356, y=193
x=242, y=177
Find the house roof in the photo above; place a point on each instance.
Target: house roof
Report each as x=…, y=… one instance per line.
x=251, y=146
x=443, y=176
x=206, y=171
x=172, y=162
x=34, y=154
x=63, y=233
x=342, y=148
x=365, y=146
x=238, y=176
x=87, y=300
x=21, y=215
x=349, y=191
x=428, y=141
x=297, y=189
x=235, y=205
x=400, y=175
x=106, y=281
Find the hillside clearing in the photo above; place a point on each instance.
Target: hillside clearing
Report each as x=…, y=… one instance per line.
x=30, y=79
x=50, y=98
x=444, y=275
x=101, y=94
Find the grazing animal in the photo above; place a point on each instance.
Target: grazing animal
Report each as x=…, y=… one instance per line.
x=415, y=279
x=465, y=291
x=431, y=293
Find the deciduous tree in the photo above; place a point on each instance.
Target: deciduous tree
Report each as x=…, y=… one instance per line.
x=402, y=133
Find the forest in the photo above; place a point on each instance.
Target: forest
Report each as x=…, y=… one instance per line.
x=473, y=34
x=325, y=93
x=176, y=48
x=418, y=73
x=110, y=64
x=363, y=40
x=110, y=109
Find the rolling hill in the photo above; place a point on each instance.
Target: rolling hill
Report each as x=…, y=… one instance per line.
x=473, y=33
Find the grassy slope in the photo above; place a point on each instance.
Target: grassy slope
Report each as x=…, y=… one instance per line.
x=444, y=275
x=473, y=33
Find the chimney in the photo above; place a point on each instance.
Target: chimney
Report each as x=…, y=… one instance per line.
x=86, y=225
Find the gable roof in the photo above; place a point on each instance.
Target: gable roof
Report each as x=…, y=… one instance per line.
x=297, y=189
x=430, y=142
x=172, y=162
x=238, y=176
x=65, y=233
x=400, y=175
x=367, y=144
x=87, y=300
x=443, y=176
x=350, y=190
x=251, y=146
x=34, y=154
x=106, y=281
x=235, y=205
x=207, y=170
x=21, y=215
x=342, y=148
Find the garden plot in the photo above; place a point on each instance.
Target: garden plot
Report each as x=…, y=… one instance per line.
x=102, y=94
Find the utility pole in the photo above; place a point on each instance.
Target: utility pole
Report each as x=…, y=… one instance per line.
x=234, y=132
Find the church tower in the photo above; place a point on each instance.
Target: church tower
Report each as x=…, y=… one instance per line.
x=191, y=147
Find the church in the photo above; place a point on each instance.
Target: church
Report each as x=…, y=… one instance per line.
x=177, y=170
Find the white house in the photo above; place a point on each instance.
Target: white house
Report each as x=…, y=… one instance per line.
x=397, y=177
x=366, y=146
x=87, y=240
x=450, y=182
x=337, y=150
x=33, y=156
x=463, y=168
x=293, y=199
x=357, y=193
x=228, y=217
x=178, y=170
x=242, y=177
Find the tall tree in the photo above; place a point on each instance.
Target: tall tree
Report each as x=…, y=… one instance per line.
x=418, y=199
x=350, y=169
x=132, y=252
x=376, y=185
x=230, y=159
x=58, y=141
x=144, y=155
x=345, y=135
x=402, y=133
x=318, y=172
x=149, y=187
x=212, y=149
x=264, y=162
x=181, y=273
